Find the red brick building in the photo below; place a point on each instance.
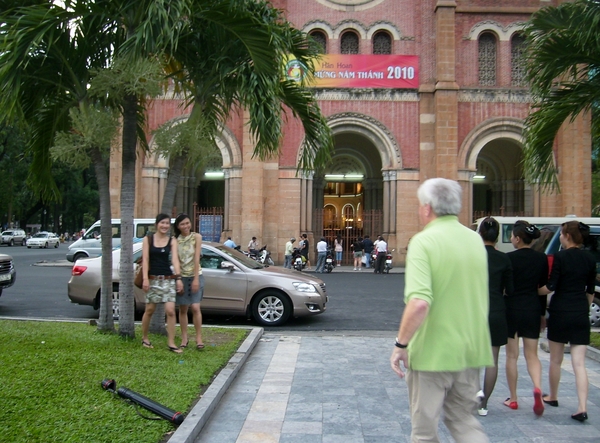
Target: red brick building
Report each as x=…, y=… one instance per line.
x=460, y=116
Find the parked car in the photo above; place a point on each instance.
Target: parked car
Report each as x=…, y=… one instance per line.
x=234, y=285
x=13, y=236
x=8, y=274
x=43, y=240
x=594, y=248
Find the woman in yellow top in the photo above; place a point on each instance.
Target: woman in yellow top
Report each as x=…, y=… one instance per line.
x=189, y=250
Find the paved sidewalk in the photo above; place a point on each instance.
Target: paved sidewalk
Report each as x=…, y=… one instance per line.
x=339, y=388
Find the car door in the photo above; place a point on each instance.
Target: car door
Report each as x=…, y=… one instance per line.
x=224, y=290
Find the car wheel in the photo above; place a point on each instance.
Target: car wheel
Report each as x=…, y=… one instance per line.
x=46, y=245
x=56, y=245
x=595, y=312
x=271, y=308
x=28, y=247
x=78, y=256
x=0, y=292
x=11, y=243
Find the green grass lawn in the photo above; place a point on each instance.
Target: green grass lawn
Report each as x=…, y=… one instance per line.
x=50, y=376
x=595, y=340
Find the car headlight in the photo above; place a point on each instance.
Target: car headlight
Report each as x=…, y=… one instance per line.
x=304, y=287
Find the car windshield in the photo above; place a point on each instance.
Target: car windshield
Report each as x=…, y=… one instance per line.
x=40, y=235
x=239, y=256
x=7, y=233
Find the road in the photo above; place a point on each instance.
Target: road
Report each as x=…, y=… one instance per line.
x=358, y=301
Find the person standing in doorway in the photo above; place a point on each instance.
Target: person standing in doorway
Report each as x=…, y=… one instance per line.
x=446, y=272
x=287, y=253
x=338, y=245
x=368, y=248
x=189, y=247
x=321, y=255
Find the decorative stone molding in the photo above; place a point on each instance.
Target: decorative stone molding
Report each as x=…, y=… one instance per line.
x=504, y=33
x=385, y=95
x=383, y=25
x=366, y=32
x=348, y=24
x=494, y=96
x=350, y=5
x=321, y=26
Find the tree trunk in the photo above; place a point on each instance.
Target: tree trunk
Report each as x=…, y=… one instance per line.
x=129, y=147
x=176, y=165
x=105, y=318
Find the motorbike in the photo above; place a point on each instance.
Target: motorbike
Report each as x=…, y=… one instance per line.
x=388, y=261
x=329, y=261
x=298, y=260
x=262, y=256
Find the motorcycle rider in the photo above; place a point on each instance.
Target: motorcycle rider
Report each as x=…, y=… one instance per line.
x=289, y=249
x=381, y=248
x=253, y=246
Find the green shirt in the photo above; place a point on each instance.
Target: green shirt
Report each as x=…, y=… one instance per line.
x=446, y=266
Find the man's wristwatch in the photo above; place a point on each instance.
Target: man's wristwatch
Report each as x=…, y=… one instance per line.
x=400, y=345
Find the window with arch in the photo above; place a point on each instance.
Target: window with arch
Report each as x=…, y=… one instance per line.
x=348, y=212
x=382, y=43
x=487, y=59
x=349, y=43
x=517, y=60
x=330, y=217
x=321, y=39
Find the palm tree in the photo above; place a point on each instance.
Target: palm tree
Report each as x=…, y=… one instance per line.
x=217, y=69
x=563, y=59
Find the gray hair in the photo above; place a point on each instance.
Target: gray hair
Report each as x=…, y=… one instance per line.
x=443, y=195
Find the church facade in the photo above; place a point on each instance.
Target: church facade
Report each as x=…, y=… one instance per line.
x=411, y=90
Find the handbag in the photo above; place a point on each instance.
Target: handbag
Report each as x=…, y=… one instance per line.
x=139, y=277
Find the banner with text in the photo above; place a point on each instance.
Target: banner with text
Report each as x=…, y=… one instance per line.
x=359, y=71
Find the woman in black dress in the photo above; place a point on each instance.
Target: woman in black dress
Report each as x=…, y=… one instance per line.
x=500, y=283
x=572, y=280
x=525, y=311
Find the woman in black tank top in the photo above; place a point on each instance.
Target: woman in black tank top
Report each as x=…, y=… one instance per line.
x=159, y=253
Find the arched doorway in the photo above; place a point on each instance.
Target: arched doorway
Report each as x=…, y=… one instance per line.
x=348, y=193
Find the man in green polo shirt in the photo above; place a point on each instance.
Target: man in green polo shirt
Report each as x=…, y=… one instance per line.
x=444, y=337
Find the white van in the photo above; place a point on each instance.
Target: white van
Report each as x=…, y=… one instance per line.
x=89, y=245
x=548, y=226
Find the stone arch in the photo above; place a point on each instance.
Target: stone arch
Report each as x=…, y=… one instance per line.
x=503, y=33
x=384, y=26
x=348, y=25
x=482, y=134
x=318, y=25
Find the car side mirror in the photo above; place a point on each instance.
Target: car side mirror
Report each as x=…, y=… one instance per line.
x=227, y=265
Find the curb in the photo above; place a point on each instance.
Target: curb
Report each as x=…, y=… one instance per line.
x=189, y=430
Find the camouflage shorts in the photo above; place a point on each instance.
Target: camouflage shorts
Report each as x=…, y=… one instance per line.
x=161, y=291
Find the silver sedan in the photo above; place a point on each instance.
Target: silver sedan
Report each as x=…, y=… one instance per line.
x=234, y=285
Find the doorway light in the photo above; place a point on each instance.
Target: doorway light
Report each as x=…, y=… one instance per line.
x=214, y=174
x=334, y=177
x=479, y=177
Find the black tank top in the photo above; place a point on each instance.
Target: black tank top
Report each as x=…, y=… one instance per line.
x=159, y=261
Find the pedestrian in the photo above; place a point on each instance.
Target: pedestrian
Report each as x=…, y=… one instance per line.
x=444, y=339
x=368, y=248
x=321, y=255
x=287, y=253
x=358, y=249
x=160, y=283
x=253, y=246
x=338, y=245
x=230, y=243
x=304, y=249
x=189, y=247
x=572, y=279
x=525, y=311
x=381, y=248
x=500, y=284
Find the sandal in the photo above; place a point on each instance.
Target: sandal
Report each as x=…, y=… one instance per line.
x=147, y=344
x=511, y=404
x=199, y=346
x=175, y=349
x=184, y=345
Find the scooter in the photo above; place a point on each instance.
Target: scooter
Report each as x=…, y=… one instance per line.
x=264, y=256
x=298, y=260
x=329, y=261
x=388, y=262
